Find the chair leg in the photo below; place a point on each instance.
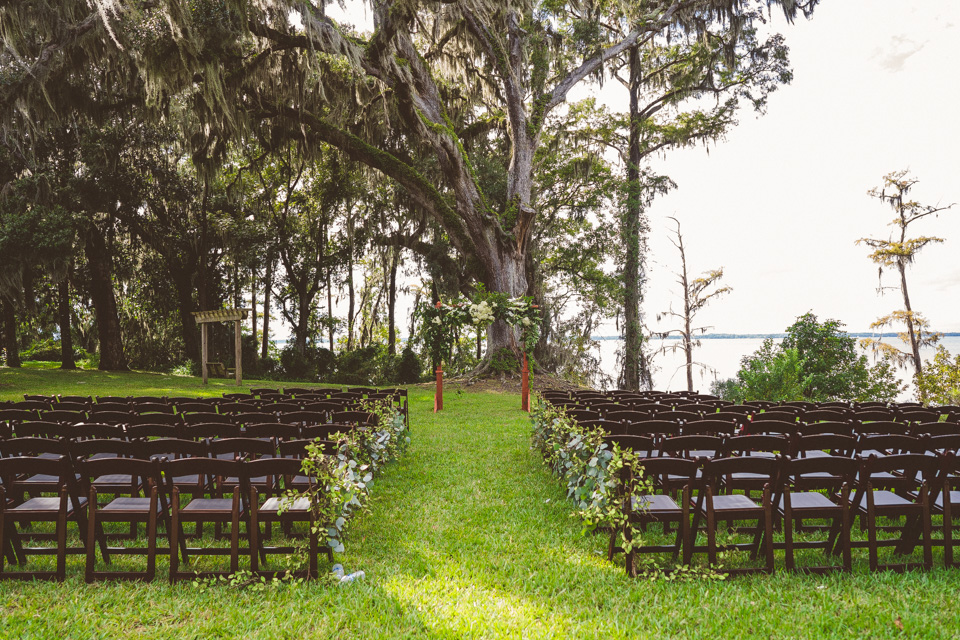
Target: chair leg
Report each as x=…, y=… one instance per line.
x=947, y=527
x=61, y=574
x=253, y=529
x=788, y=524
x=175, y=535
x=91, y=536
x=927, y=524
x=768, y=529
x=871, y=529
x=711, y=530
x=152, y=537
x=845, y=530
x=235, y=533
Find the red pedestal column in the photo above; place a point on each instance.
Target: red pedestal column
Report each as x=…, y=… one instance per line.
x=438, y=398
x=525, y=386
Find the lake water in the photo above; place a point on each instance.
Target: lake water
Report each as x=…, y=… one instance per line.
x=723, y=356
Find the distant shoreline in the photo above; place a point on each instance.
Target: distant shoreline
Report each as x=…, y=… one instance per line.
x=761, y=336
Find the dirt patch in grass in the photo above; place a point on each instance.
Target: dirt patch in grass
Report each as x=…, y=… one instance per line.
x=502, y=383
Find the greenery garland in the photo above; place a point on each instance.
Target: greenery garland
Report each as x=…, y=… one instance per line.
x=440, y=322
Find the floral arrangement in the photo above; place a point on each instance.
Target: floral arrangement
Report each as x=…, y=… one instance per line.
x=441, y=322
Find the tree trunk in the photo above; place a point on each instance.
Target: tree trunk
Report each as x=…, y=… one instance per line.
x=352, y=295
x=183, y=283
x=392, y=304
x=911, y=330
x=630, y=230
x=267, y=288
x=10, y=333
x=112, y=357
x=66, y=333
x=253, y=305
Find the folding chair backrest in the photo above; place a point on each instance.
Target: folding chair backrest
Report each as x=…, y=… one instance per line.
x=174, y=448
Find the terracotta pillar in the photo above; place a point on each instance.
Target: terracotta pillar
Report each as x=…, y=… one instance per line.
x=525, y=386
x=438, y=398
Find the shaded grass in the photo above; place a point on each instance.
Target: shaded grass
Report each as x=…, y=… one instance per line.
x=469, y=536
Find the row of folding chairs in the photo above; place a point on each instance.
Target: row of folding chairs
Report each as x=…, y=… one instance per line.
x=716, y=427
x=812, y=501
x=160, y=493
x=743, y=415
x=771, y=445
x=274, y=430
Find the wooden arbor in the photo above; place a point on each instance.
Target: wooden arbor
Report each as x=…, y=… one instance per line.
x=220, y=315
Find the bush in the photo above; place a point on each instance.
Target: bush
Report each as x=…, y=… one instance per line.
x=505, y=361
x=297, y=366
x=939, y=382
x=359, y=367
x=816, y=362
x=409, y=369
x=48, y=351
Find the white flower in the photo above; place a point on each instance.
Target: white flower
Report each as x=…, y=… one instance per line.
x=436, y=321
x=526, y=322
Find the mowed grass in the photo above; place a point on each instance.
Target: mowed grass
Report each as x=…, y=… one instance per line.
x=468, y=536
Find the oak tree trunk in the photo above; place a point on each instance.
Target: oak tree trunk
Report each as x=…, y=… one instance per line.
x=66, y=333
x=112, y=357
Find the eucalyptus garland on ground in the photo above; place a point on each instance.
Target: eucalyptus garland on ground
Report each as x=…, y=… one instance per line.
x=341, y=481
x=440, y=322
x=592, y=470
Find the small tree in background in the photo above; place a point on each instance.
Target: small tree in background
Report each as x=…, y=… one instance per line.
x=697, y=293
x=898, y=254
x=816, y=361
x=939, y=383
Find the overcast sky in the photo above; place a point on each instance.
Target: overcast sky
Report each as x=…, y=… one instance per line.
x=779, y=204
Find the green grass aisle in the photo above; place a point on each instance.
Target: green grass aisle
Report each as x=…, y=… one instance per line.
x=469, y=536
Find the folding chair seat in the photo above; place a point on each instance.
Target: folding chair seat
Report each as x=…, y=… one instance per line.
x=142, y=502
x=826, y=427
x=63, y=417
x=271, y=430
x=325, y=431
x=770, y=427
x=193, y=406
x=216, y=509
x=824, y=445
x=934, y=428
x=67, y=506
x=716, y=502
x=206, y=418
x=111, y=417
x=708, y=427
x=658, y=508
x=33, y=405
x=300, y=449
x=651, y=428
x=304, y=418
x=156, y=418
x=918, y=415
x=141, y=408
x=152, y=430
x=96, y=430
x=691, y=447
x=210, y=430
x=629, y=415
x=35, y=447
x=816, y=488
x=827, y=415
x=580, y=415
x=254, y=418
x=880, y=445
x=643, y=446
x=886, y=427
x=281, y=407
x=896, y=486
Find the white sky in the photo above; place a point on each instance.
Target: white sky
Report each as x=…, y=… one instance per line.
x=781, y=201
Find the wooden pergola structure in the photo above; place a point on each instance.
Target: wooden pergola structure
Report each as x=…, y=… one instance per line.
x=203, y=318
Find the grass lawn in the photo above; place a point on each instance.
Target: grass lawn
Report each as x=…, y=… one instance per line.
x=468, y=536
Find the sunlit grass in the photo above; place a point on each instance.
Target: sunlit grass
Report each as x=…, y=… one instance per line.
x=468, y=536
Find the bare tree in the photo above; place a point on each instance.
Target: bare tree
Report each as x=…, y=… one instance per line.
x=697, y=293
x=899, y=253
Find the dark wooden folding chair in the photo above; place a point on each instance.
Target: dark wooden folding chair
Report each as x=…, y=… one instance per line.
x=716, y=502
x=658, y=508
x=213, y=508
x=816, y=488
x=143, y=503
x=67, y=506
x=896, y=486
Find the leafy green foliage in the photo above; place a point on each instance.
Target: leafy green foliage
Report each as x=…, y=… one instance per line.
x=815, y=361
x=939, y=382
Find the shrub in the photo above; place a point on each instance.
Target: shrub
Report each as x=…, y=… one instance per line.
x=409, y=369
x=939, y=382
x=505, y=361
